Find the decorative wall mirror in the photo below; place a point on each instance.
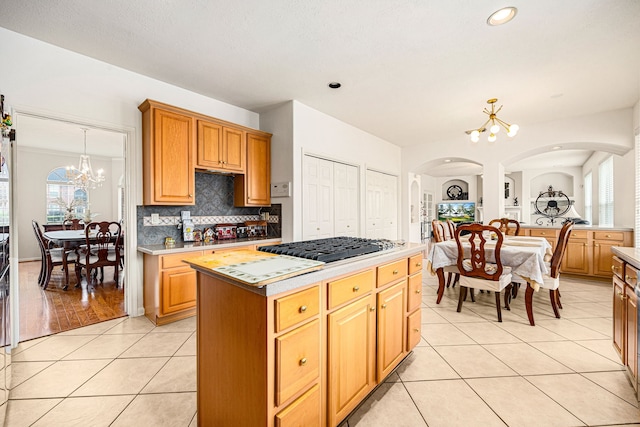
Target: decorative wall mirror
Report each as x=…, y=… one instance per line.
x=551, y=204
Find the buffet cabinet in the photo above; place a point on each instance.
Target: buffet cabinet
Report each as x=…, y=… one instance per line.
x=588, y=252
x=625, y=316
x=176, y=143
x=306, y=357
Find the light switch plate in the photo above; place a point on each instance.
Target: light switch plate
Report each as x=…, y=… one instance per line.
x=281, y=189
x=155, y=219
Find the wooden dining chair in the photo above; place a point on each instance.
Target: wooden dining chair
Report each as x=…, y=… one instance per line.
x=440, y=235
x=550, y=281
x=102, y=249
x=479, y=263
x=52, y=257
x=508, y=226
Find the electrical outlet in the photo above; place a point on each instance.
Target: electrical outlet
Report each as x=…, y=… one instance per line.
x=155, y=219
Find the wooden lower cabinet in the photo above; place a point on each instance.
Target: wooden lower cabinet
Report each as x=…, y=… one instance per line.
x=351, y=350
x=618, y=316
x=391, y=321
x=577, y=254
x=625, y=317
x=631, y=335
x=306, y=357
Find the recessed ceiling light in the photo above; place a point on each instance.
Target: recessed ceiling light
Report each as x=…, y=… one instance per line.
x=502, y=16
x=557, y=147
x=334, y=85
x=447, y=161
x=557, y=95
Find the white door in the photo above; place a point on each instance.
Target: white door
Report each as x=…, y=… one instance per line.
x=374, y=203
x=317, y=198
x=345, y=184
x=390, y=207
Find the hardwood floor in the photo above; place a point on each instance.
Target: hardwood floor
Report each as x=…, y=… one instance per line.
x=46, y=312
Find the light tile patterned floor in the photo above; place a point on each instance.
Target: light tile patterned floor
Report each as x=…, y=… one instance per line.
x=469, y=370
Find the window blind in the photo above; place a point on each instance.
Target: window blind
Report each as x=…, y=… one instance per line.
x=605, y=192
x=588, y=197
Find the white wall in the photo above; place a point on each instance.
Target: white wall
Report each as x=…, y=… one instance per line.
x=317, y=133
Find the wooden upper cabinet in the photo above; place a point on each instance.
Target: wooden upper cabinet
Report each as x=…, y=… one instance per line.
x=254, y=187
x=220, y=148
x=168, y=148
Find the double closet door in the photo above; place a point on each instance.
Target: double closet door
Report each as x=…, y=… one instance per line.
x=330, y=199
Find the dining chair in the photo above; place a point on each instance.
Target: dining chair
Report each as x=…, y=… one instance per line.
x=508, y=226
x=550, y=281
x=439, y=235
x=479, y=263
x=52, y=257
x=101, y=249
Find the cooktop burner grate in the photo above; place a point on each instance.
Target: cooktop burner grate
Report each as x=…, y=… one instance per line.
x=331, y=249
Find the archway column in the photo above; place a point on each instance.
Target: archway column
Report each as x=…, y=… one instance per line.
x=492, y=190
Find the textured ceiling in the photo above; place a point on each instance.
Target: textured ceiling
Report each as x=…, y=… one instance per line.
x=412, y=71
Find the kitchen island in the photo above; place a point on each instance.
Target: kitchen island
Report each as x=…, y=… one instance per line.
x=306, y=350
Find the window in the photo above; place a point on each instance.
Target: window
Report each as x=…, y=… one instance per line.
x=605, y=193
x=64, y=200
x=588, y=197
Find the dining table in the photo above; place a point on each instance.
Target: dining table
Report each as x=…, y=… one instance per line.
x=527, y=256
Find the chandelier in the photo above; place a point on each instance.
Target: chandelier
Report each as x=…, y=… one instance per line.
x=83, y=176
x=496, y=124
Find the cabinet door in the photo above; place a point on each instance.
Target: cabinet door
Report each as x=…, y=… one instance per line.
x=391, y=328
x=233, y=150
x=576, y=257
x=209, y=145
x=603, y=257
x=414, y=329
x=618, y=317
x=351, y=370
x=173, y=169
x=414, y=295
x=178, y=290
x=254, y=187
x=631, y=335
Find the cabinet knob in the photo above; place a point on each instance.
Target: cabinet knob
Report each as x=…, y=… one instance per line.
x=190, y=195
x=372, y=309
x=417, y=291
x=383, y=306
x=303, y=309
x=418, y=264
x=607, y=235
x=356, y=288
x=416, y=330
x=395, y=271
x=303, y=361
x=596, y=245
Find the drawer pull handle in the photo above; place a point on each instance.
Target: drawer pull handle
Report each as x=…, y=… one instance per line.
x=416, y=330
x=607, y=235
x=372, y=309
x=356, y=288
x=303, y=361
x=418, y=264
x=303, y=309
x=395, y=271
x=417, y=291
x=383, y=306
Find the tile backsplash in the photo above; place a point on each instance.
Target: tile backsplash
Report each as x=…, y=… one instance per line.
x=214, y=205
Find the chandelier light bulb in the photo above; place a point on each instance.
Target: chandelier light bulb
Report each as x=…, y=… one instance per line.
x=475, y=138
x=495, y=128
x=513, y=130
x=492, y=138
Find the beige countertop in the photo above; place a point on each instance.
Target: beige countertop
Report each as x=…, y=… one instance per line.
x=329, y=271
x=181, y=247
x=577, y=227
x=630, y=255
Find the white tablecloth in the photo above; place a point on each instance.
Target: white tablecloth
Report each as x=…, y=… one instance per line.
x=525, y=255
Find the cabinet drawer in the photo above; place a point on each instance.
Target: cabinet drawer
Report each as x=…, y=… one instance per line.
x=414, y=329
x=392, y=272
x=304, y=411
x=617, y=266
x=295, y=308
x=549, y=234
x=351, y=287
x=579, y=234
x=297, y=360
x=617, y=236
x=630, y=275
x=175, y=260
x=414, y=292
x=415, y=264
